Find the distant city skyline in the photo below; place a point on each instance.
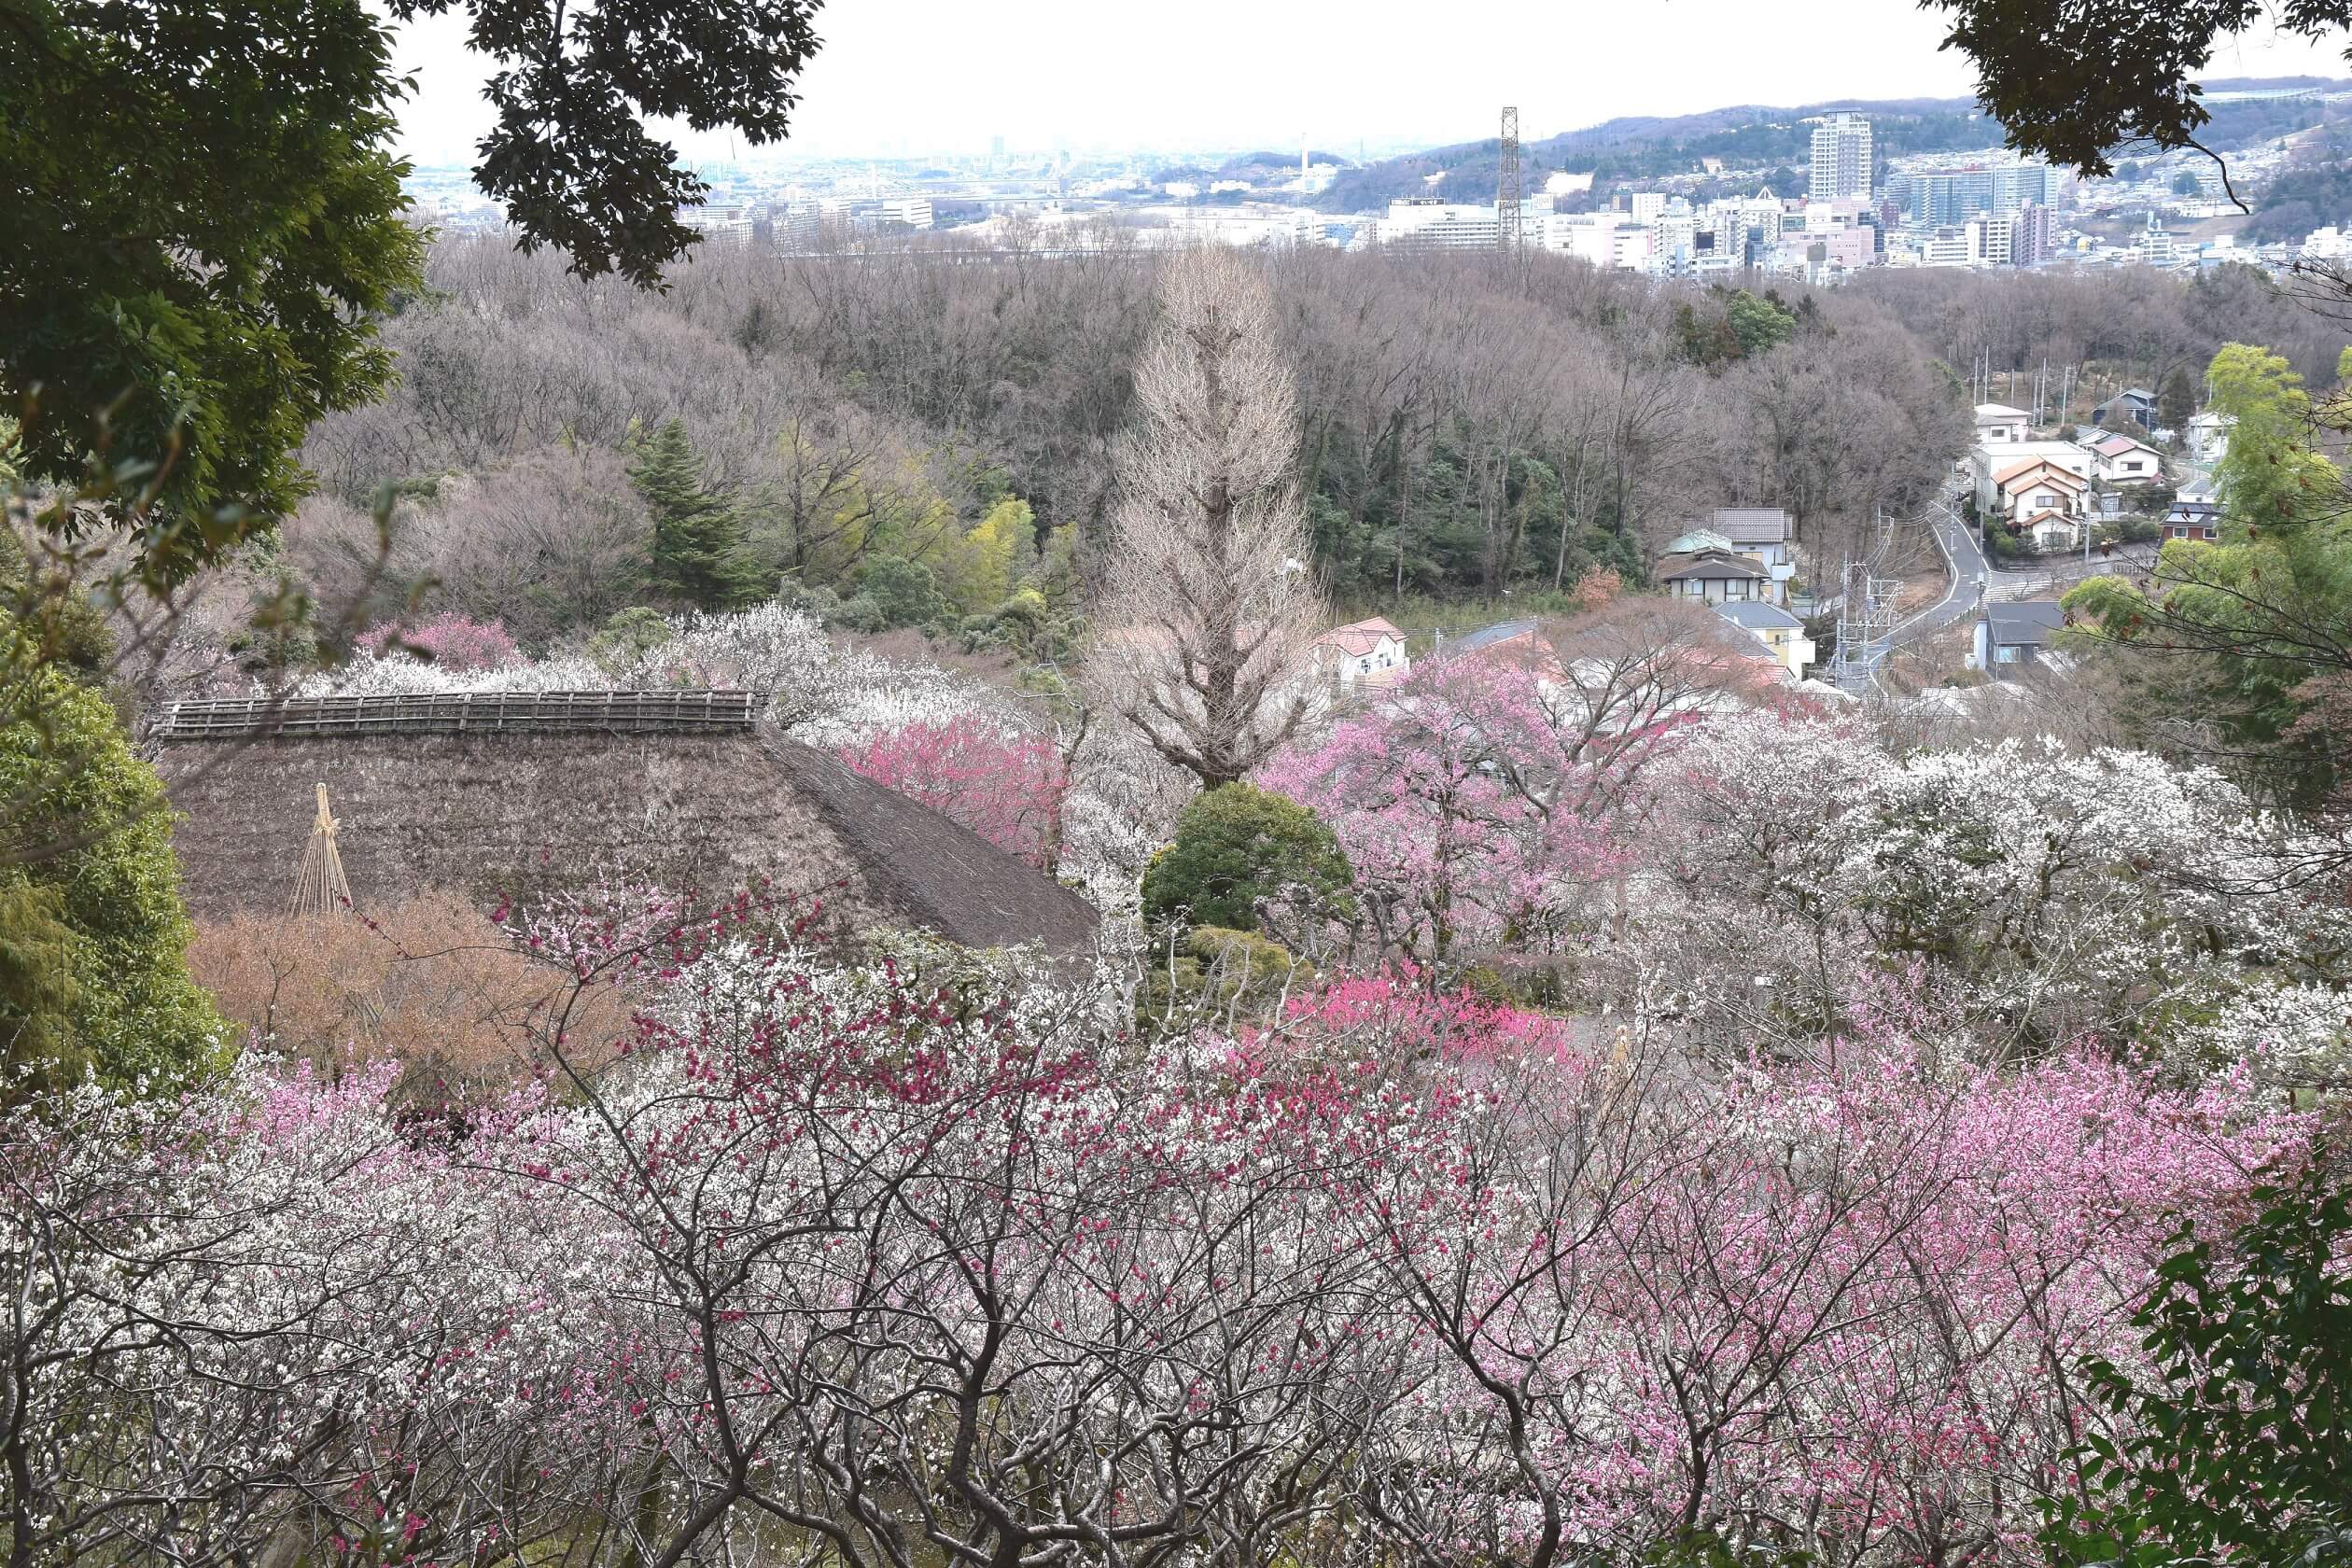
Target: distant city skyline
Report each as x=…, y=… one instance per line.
x=924, y=76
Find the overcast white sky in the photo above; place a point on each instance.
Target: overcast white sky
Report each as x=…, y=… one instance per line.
x=945, y=76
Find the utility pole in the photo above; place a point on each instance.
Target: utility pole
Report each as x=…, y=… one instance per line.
x=1506, y=185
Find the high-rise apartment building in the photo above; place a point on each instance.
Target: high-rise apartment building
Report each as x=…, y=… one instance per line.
x=1842, y=158
x=2029, y=234
x=1947, y=196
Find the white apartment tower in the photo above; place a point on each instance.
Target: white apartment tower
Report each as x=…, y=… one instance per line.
x=1842, y=159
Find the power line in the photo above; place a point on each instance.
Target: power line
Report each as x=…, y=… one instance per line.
x=1507, y=184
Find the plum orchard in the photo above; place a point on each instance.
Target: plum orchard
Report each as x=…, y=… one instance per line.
x=835, y=1268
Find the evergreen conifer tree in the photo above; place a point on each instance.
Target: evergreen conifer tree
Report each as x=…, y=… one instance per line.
x=698, y=553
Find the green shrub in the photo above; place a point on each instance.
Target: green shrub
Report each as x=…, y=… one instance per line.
x=858, y=613
x=628, y=636
x=93, y=938
x=1235, y=846
x=906, y=592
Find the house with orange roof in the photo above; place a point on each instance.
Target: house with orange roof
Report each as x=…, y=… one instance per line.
x=1988, y=462
x=1362, y=655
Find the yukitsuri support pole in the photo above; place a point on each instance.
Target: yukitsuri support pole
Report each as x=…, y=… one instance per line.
x=319, y=889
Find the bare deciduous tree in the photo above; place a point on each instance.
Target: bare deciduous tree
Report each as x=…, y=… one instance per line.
x=1208, y=605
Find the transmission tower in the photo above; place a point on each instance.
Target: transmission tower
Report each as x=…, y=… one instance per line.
x=1865, y=622
x=319, y=888
x=1506, y=183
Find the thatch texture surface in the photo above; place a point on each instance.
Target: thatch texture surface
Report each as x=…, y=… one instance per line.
x=520, y=815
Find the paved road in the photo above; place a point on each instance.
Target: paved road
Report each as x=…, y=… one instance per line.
x=1964, y=558
x=1973, y=575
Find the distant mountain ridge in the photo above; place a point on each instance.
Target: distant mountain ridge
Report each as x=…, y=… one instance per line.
x=1757, y=137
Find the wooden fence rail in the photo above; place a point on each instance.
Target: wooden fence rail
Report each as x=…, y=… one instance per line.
x=672, y=712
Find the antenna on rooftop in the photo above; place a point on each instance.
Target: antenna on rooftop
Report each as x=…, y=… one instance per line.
x=1507, y=184
x=319, y=888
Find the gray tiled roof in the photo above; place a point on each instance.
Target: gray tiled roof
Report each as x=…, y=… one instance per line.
x=1756, y=615
x=1750, y=524
x=1487, y=636
x=2029, y=624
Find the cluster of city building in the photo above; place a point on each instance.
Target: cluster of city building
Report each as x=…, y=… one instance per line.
x=1856, y=208
x=1844, y=221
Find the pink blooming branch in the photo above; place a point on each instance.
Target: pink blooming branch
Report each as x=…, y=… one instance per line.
x=1006, y=786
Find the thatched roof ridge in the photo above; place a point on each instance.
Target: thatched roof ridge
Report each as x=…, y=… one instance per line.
x=518, y=813
x=694, y=711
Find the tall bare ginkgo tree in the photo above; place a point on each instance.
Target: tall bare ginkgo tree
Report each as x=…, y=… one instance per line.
x=1209, y=606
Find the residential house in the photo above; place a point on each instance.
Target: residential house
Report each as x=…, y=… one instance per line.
x=1690, y=541
x=1718, y=577
x=2207, y=436
x=2126, y=461
x=2134, y=405
x=1512, y=641
x=1985, y=462
x=1362, y=656
x=2010, y=635
x=1769, y=534
x=2193, y=520
x=1776, y=629
x=2000, y=425
x=2038, y=498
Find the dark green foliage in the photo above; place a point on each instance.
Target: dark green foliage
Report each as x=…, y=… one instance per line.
x=698, y=555
x=59, y=626
x=1026, y=624
x=1236, y=845
x=1356, y=516
x=904, y=592
x=2075, y=79
x=93, y=939
x=1707, y=1547
x=203, y=217
x=569, y=158
x=2239, y=1450
x=1731, y=324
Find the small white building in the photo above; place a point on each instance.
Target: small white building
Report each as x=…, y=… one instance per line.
x=2126, y=461
x=1718, y=577
x=2010, y=635
x=1997, y=424
x=2038, y=499
x=2207, y=436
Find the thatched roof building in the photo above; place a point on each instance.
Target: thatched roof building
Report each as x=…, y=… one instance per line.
x=517, y=794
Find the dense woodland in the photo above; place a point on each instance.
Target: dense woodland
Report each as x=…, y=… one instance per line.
x=1467, y=428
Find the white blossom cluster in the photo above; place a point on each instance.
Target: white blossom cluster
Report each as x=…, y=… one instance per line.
x=824, y=692
x=1792, y=874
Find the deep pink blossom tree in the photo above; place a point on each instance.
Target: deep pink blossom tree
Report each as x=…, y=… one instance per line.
x=449, y=640
x=1006, y=786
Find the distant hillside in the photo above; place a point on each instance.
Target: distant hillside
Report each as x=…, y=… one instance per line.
x=1760, y=137
x=2313, y=191
x=1259, y=168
